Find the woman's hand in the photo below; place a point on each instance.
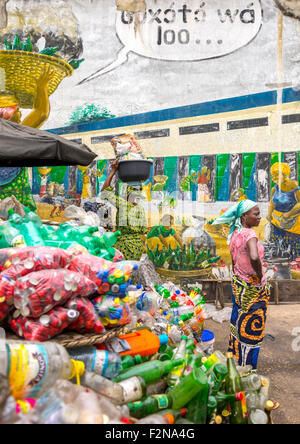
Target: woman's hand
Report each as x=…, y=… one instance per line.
x=114, y=166
x=45, y=78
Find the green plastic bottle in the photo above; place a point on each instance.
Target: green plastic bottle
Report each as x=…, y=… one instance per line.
x=15, y=219
x=197, y=407
x=13, y=236
x=33, y=217
x=31, y=234
x=150, y=371
x=193, y=361
x=217, y=377
x=130, y=361
x=150, y=405
x=110, y=238
x=3, y=243
x=233, y=385
x=188, y=388
x=66, y=232
x=48, y=233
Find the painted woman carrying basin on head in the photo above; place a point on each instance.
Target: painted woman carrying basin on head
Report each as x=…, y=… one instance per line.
x=250, y=292
x=284, y=210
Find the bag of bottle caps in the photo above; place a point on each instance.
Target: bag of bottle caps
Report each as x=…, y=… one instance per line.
x=46, y=327
x=23, y=261
x=112, y=311
x=39, y=292
x=117, y=280
x=127, y=147
x=87, y=321
x=7, y=287
x=90, y=266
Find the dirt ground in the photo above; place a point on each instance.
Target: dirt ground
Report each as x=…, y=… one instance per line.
x=279, y=358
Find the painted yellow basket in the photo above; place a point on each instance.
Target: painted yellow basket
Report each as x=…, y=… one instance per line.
x=23, y=69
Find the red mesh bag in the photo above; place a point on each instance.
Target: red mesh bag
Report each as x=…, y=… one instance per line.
x=7, y=287
x=90, y=266
x=39, y=292
x=87, y=321
x=23, y=261
x=46, y=327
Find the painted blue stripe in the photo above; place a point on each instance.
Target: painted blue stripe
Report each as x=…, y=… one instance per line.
x=200, y=109
x=290, y=95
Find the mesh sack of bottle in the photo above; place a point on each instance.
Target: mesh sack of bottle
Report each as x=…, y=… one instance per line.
x=90, y=266
x=39, y=292
x=88, y=320
x=22, y=261
x=112, y=311
x=46, y=327
x=6, y=295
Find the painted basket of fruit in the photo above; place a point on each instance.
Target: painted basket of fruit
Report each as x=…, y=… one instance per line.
x=20, y=71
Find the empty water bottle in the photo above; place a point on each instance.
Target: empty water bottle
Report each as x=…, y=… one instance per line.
x=102, y=362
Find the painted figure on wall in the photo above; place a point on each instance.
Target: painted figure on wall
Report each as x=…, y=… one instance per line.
x=164, y=235
x=284, y=209
x=44, y=175
x=203, y=180
x=85, y=178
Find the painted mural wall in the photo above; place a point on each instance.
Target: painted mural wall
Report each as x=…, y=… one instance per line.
x=210, y=88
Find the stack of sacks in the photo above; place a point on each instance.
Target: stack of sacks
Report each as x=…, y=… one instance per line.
x=44, y=291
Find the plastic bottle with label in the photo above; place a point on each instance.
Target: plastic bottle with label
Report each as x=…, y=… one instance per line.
x=102, y=362
x=32, y=368
x=150, y=405
x=12, y=235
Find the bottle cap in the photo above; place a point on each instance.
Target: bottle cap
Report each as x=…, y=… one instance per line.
x=170, y=418
x=269, y=406
x=11, y=211
x=218, y=419
x=184, y=338
x=207, y=336
x=163, y=339
x=138, y=359
x=183, y=411
x=225, y=413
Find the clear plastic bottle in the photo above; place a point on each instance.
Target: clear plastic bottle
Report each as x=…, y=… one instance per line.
x=251, y=383
x=102, y=362
x=103, y=386
x=12, y=236
x=32, y=368
x=88, y=408
x=175, y=334
x=258, y=417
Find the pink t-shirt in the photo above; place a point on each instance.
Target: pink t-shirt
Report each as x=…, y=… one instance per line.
x=240, y=254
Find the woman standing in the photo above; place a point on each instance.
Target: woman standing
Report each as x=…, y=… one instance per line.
x=131, y=218
x=250, y=292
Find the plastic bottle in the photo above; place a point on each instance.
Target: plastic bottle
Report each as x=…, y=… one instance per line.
x=134, y=389
x=258, y=417
x=197, y=328
x=102, y=362
x=251, y=383
x=158, y=419
x=129, y=361
x=188, y=388
x=150, y=371
x=265, y=386
x=103, y=386
x=164, y=292
x=12, y=236
x=148, y=302
x=175, y=334
x=192, y=362
x=87, y=406
x=233, y=384
x=33, y=217
x=177, y=372
x=141, y=342
x=31, y=367
x=215, y=358
x=216, y=377
x=150, y=405
x=3, y=242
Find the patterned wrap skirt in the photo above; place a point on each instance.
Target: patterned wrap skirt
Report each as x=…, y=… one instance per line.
x=248, y=320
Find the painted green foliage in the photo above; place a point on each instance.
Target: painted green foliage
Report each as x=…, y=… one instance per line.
x=89, y=113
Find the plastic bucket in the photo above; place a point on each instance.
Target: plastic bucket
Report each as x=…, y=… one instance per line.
x=134, y=170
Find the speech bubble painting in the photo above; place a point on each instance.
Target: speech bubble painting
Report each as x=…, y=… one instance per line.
x=186, y=31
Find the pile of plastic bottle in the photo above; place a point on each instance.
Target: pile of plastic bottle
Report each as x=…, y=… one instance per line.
x=140, y=378
x=30, y=231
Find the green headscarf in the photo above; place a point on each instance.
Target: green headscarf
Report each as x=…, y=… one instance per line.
x=233, y=216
